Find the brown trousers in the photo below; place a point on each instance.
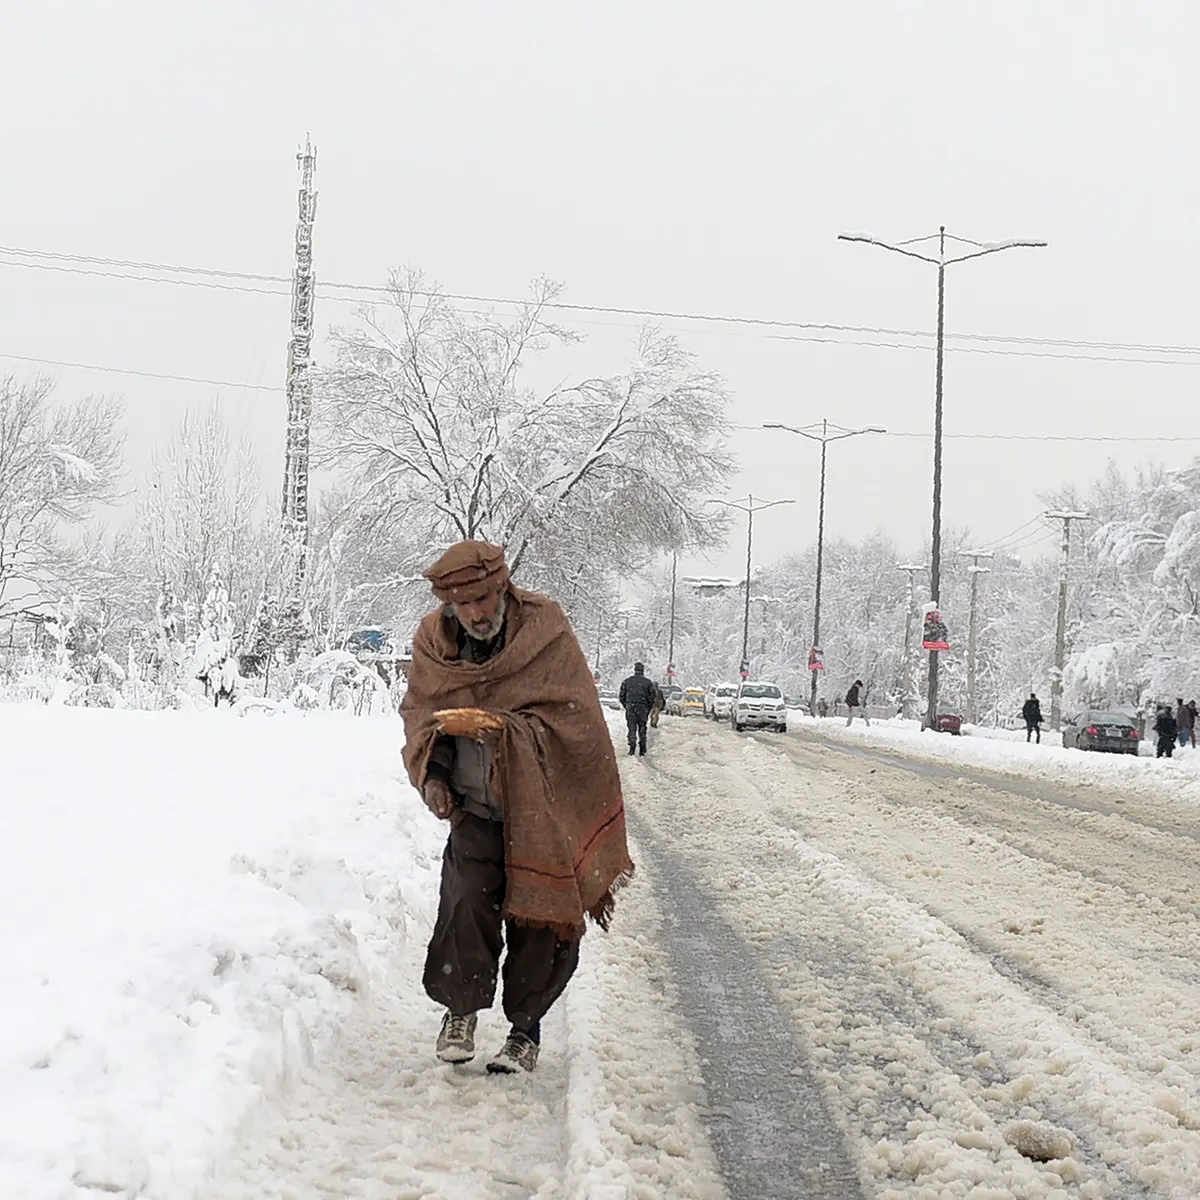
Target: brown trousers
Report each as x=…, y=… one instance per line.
x=464, y=953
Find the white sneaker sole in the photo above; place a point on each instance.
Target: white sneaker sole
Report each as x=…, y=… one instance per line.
x=503, y=1065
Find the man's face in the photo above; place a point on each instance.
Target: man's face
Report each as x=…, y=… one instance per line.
x=482, y=619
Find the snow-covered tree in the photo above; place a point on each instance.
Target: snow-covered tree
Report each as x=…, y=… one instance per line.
x=214, y=660
x=200, y=512
x=59, y=463
x=426, y=414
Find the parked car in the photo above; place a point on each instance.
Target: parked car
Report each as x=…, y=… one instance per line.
x=609, y=699
x=948, y=723
x=1100, y=729
x=758, y=706
x=692, y=701
x=674, y=694
x=718, y=700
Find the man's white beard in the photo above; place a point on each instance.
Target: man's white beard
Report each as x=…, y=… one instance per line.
x=493, y=627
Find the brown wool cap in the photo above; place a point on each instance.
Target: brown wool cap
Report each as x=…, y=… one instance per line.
x=468, y=571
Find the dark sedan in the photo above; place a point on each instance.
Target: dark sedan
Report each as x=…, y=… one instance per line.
x=1113, y=732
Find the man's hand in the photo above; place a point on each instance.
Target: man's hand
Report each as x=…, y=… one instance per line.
x=489, y=737
x=438, y=799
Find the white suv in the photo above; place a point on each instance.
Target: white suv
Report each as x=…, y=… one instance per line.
x=718, y=701
x=758, y=706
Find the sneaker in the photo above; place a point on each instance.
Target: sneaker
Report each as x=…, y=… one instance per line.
x=631, y=750
x=519, y=1053
x=456, y=1042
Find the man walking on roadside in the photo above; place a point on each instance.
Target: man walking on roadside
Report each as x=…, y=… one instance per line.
x=1183, y=722
x=660, y=702
x=855, y=703
x=1167, y=732
x=637, y=697
x=506, y=740
x=1032, y=714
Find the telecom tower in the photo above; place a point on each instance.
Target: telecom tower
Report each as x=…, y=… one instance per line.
x=299, y=391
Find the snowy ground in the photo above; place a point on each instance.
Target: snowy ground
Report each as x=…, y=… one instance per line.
x=1007, y=751
x=213, y=929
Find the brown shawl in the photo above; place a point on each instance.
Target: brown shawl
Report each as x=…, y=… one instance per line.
x=554, y=768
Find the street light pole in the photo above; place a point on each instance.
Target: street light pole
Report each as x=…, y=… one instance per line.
x=671, y=636
x=745, y=665
x=824, y=437
x=978, y=250
x=749, y=506
x=908, y=687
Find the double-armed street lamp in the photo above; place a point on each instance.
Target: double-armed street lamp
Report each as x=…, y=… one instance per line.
x=824, y=433
x=749, y=506
x=962, y=250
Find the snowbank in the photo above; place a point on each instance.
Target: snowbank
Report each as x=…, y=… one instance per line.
x=1177, y=778
x=188, y=904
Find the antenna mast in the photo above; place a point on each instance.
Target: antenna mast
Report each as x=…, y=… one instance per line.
x=299, y=391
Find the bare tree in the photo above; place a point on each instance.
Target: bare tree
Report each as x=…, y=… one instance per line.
x=426, y=414
x=58, y=464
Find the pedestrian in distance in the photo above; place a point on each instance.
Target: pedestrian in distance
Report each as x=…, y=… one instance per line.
x=1167, y=731
x=505, y=739
x=637, y=696
x=1183, y=722
x=660, y=702
x=856, y=704
x=1031, y=712
x=1191, y=706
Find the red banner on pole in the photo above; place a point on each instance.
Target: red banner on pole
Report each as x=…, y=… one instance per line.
x=816, y=659
x=935, y=634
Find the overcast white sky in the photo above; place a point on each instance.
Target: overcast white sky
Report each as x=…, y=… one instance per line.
x=683, y=156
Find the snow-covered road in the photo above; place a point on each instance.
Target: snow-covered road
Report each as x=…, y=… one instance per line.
x=973, y=971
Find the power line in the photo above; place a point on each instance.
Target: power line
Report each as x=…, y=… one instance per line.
x=1026, y=437
x=1001, y=542
x=838, y=341
x=1050, y=437
x=236, y=280
x=55, y=362
x=267, y=387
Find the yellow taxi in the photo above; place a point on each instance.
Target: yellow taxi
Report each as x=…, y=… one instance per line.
x=692, y=701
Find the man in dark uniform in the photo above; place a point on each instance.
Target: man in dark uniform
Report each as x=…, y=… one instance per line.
x=1167, y=732
x=1031, y=712
x=637, y=698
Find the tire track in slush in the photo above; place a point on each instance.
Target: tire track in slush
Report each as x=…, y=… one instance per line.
x=768, y=1121
x=1032, y=827
x=1176, y=825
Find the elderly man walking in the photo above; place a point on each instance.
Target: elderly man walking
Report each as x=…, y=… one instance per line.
x=505, y=739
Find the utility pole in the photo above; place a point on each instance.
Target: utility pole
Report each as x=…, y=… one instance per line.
x=974, y=250
x=671, y=636
x=908, y=698
x=299, y=397
x=749, y=506
x=976, y=570
x=824, y=437
x=1060, y=633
